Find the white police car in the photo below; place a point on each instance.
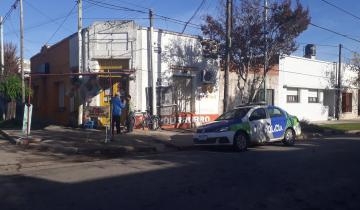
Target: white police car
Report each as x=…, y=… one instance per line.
x=249, y=124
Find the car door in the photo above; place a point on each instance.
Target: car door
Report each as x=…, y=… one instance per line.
x=258, y=121
x=277, y=123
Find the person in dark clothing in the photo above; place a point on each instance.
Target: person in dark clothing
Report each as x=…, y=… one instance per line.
x=117, y=106
x=130, y=120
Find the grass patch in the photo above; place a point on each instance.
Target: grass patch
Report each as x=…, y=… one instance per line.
x=342, y=127
x=308, y=127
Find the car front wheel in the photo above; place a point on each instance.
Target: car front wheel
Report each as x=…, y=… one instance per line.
x=289, y=138
x=240, y=142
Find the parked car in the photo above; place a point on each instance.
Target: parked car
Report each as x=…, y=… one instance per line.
x=249, y=124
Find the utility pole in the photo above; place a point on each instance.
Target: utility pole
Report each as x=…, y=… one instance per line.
x=80, y=25
x=338, y=90
x=1, y=47
x=227, y=51
x=265, y=47
x=152, y=82
x=22, y=52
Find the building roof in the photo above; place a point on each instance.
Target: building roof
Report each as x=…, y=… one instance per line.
x=122, y=21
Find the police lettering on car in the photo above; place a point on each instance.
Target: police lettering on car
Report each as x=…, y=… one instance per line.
x=254, y=123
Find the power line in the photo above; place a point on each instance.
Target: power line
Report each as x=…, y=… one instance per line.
x=8, y=13
x=114, y=6
x=341, y=9
x=133, y=4
x=117, y=7
x=18, y=35
x=195, y=13
x=335, y=32
x=177, y=21
x=350, y=50
x=44, y=23
x=121, y=18
x=42, y=13
x=68, y=15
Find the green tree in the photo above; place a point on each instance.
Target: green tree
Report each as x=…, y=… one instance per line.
x=10, y=87
x=285, y=23
x=10, y=81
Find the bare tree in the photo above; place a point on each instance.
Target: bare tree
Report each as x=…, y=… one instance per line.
x=284, y=24
x=355, y=66
x=11, y=60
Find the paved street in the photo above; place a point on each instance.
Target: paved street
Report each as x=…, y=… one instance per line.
x=317, y=174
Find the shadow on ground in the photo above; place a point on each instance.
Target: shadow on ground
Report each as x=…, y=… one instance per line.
x=321, y=174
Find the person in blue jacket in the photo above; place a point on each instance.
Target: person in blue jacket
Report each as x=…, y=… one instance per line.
x=117, y=106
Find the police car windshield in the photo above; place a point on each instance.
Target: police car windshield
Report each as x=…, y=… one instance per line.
x=234, y=114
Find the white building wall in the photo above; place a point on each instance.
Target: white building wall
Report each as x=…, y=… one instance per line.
x=305, y=74
x=126, y=40
x=189, y=55
x=348, y=78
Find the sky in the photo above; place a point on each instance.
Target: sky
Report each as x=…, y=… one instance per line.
x=48, y=21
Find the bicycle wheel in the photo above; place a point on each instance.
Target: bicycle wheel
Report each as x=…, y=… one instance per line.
x=155, y=122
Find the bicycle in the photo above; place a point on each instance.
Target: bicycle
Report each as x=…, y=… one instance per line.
x=149, y=121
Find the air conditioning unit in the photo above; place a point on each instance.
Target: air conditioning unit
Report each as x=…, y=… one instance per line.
x=208, y=76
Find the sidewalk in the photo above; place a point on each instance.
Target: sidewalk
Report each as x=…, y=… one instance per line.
x=90, y=142
x=331, y=122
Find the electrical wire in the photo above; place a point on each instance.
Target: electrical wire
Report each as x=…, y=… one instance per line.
x=195, y=13
x=65, y=19
x=113, y=6
x=44, y=23
x=341, y=9
x=8, y=13
x=133, y=4
x=350, y=50
x=53, y=20
x=117, y=7
x=121, y=18
x=335, y=32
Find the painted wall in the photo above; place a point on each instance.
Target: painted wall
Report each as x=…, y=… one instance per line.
x=306, y=75
x=46, y=97
x=126, y=40
x=172, y=50
x=350, y=86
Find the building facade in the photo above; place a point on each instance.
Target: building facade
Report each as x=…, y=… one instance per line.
x=306, y=88
x=185, y=84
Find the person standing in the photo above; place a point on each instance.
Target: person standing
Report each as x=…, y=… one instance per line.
x=130, y=119
x=117, y=106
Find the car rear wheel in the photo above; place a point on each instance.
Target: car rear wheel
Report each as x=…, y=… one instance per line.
x=289, y=137
x=240, y=142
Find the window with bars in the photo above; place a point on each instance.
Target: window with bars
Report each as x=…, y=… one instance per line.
x=292, y=95
x=346, y=102
x=313, y=96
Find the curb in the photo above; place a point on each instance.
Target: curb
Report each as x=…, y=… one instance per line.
x=69, y=150
x=8, y=137
x=309, y=136
x=353, y=132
